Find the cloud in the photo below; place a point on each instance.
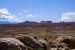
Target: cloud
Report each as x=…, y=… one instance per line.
x=4, y=11
x=32, y=15
x=29, y=15
x=5, y=15
x=68, y=17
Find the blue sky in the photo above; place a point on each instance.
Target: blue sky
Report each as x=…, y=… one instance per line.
x=37, y=10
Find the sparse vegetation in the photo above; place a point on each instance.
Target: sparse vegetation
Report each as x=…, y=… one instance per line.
x=42, y=31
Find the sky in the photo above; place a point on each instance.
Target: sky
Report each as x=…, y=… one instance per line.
x=37, y=10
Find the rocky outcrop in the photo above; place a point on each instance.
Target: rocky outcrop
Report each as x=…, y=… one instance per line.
x=29, y=41
x=11, y=44
x=70, y=41
x=26, y=42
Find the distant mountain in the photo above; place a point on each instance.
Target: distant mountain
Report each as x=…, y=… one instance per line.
x=7, y=22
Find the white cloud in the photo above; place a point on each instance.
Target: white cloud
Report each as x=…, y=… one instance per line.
x=68, y=17
x=29, y=15
x=32, y=15
x=21, y=16
x=5, y=15
x=4, y=11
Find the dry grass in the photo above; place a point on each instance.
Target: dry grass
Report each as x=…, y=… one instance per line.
x=40, y=32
